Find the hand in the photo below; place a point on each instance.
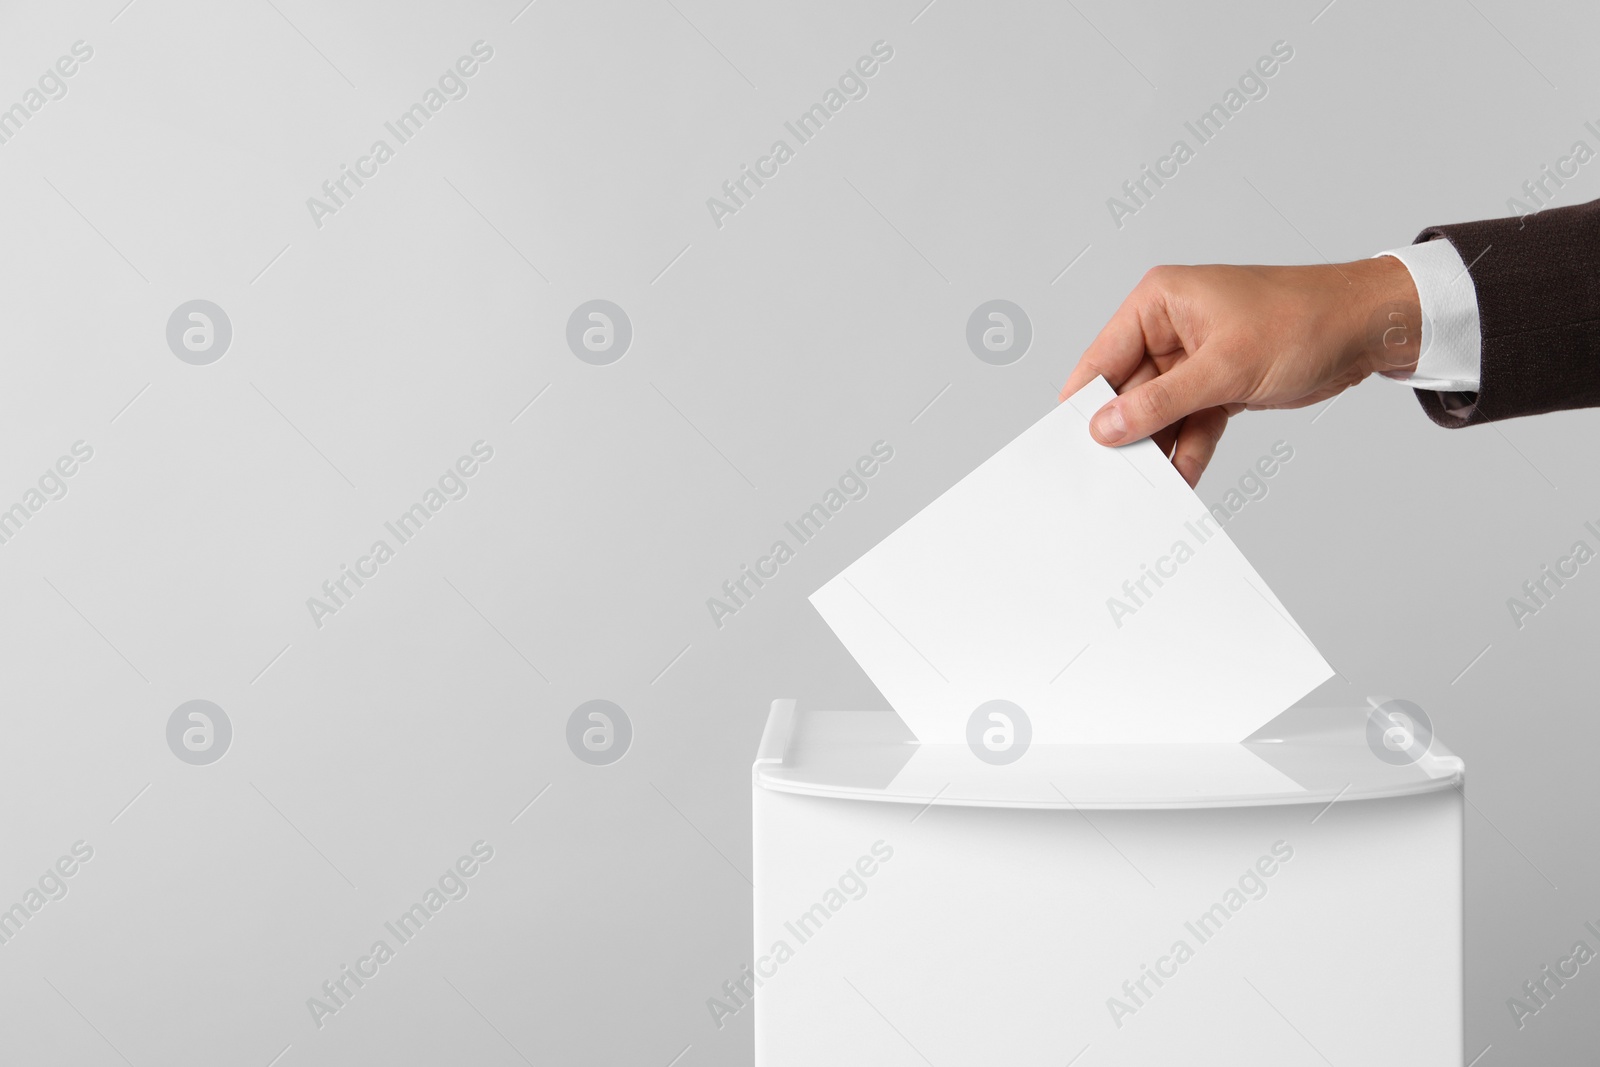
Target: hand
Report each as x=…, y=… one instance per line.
x=1192, y=346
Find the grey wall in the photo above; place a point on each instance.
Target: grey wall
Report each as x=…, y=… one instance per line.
x=371, y=351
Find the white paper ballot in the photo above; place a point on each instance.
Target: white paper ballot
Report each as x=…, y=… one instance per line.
x=1087, y=585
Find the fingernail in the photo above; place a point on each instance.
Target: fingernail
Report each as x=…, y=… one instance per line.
x=1108, y=424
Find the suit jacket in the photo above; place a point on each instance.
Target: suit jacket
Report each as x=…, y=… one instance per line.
x=1538, y=284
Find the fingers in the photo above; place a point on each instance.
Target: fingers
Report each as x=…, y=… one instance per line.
x=1139, y=326
x=1186, y=388
x=1197, y=442
x=1144, y=372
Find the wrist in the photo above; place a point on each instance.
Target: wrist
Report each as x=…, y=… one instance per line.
x=1389, y=330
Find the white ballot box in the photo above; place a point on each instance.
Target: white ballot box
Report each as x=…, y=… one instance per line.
x=1296, y=898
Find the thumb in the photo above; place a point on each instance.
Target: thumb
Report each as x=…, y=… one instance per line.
x=1158, y=403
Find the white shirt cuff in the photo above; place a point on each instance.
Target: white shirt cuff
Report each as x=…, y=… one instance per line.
x=1452, y=341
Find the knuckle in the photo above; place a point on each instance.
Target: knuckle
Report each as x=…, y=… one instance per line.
x=1212, y=429
x=1161, y=276
x=1152, y=402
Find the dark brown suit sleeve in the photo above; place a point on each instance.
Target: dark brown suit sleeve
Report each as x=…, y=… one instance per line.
x=1538, y=285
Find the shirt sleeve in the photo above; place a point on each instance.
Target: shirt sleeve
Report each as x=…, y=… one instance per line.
x=1452, y=341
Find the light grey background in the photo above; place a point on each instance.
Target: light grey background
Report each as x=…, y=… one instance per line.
x=767, y=355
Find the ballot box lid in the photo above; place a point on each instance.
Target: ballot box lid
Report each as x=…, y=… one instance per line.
x=1305, y=756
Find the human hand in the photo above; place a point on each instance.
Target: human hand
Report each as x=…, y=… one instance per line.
x=1192, y=346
